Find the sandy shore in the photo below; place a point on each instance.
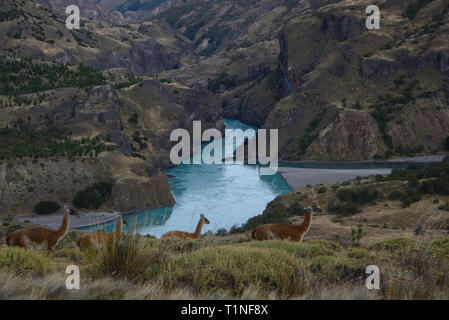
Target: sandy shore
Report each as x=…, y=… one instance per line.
x=300, y=177
x=84, y=220
x=426, y=159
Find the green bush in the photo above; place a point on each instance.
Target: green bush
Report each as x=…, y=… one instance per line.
x=357, y=253
x=397, y=244
x=232, y=269
x=128, y=258
x=46, y=207
x=344, y=208
x=22, y=262
x=302, y=250
x=94, y=196
x=441, y=247
x=359, y=196
x=338, y=267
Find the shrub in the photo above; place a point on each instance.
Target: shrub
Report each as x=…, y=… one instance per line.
x=232, y=269
x=444, y=207
x=338, y=267
x=395, y=195
x=178, y=245
x=22, y=262
x=397, y=244
x=359, y=196
x=306, y=249
x=94, y=196
x=46, y=207
x=73, y=254
x=344, y=208
x=413, y=193
x=357, y=253
x=127, y=259
x=322, y=190
x=413, y=8
x=441, y=247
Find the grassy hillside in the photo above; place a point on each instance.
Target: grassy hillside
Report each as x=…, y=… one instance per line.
x=141, y=268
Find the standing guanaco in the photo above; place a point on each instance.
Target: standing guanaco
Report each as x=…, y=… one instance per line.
x=99, y=237
x=187, y=235
x=285, y=231
x=40, y=237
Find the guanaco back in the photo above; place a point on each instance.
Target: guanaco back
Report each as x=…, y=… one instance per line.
x=99, y=237
x=40, y=237
x=284, y=231
x=187, y=235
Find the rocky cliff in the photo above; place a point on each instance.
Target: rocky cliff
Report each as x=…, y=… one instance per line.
x=348, y=93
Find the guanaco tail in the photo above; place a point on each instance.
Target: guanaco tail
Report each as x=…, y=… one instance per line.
x=285, y=231
x=187, y=235
x=40, y=237
x=99, y=237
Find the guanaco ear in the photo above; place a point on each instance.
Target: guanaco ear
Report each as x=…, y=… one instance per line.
x=202, y=215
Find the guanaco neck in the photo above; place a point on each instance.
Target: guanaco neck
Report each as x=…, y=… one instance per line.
x=64, y=226
x=197, y=232
x=118, y=228
x=305, y=225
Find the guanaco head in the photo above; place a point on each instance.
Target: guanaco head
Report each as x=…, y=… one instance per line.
x=317, y=210
x=124, y=222
x=71, y=212
x=314, y=210
x=205, y=221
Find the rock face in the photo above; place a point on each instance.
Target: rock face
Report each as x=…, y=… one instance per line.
x=311, y=69
x=26, y=182
x=384, y=94
x=142, y=146
x=143, y=49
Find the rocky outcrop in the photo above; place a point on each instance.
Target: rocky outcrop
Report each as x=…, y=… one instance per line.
x=384, y=94
x=349, y=135
x=135, y=121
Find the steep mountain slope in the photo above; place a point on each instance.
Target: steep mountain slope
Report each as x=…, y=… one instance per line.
x=65, y=127
x=349, y=93
x=32, y=30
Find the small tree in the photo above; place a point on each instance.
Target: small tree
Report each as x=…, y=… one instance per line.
x=356, y=235
x=46, y=207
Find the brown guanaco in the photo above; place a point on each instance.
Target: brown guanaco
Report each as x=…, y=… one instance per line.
x=285, y=231
x=99, y=237
x=40, y=237
x=188, y=235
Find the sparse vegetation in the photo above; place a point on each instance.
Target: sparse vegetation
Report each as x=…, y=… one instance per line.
x=22, y=262
x=22, y=140
x=22, y=76
x=222, y=82
x=308, y=135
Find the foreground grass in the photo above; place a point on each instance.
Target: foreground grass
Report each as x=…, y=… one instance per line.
x=140, y=268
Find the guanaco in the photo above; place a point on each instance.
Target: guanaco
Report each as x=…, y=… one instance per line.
x=99, y=237
x=40, y=237
x=187, y=235
x=285, y=231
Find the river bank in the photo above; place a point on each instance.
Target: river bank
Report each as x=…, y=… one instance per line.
x=301, y=177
